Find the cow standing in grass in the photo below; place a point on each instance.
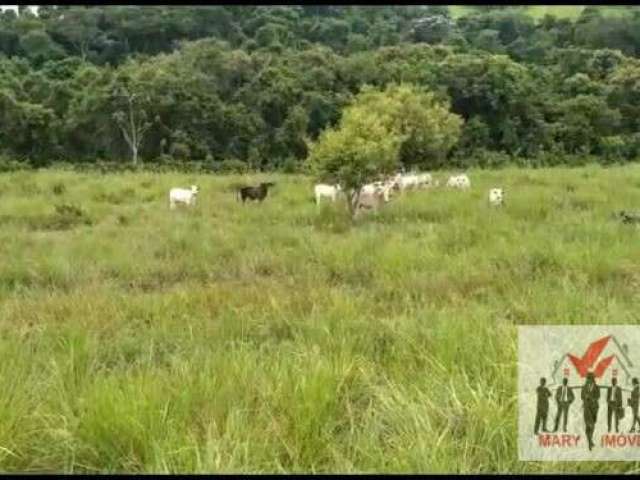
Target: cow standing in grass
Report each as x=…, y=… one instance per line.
x=425, y=180
x=372, y=196
x=461, y=182
x=183, y=195
x=408, y=182
x=327, y=191
x=496, y=197
x=258, y=193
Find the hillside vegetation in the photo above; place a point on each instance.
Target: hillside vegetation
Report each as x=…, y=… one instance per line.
x=244, y=87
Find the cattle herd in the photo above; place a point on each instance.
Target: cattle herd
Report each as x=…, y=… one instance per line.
x=370, y=197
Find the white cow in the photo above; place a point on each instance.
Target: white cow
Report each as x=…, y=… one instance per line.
x=371, y=200
x=392, y=183
x=183, y=195
x=327, y=191
x=408, y=181
x=459, y=181
x=424, y=180
x=370, y=188
x=496, y=196
x=381, y=188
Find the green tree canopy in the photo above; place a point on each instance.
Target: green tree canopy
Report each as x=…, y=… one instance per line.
x=381, y=131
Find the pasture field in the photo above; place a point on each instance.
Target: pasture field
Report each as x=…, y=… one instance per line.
x=570, y=12
x=281, y=338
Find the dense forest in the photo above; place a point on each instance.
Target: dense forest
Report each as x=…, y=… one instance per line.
x=235, y=87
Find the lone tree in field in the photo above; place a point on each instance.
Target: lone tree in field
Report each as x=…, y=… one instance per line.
x=379, y=132
x=358, y=152
x=131, y=120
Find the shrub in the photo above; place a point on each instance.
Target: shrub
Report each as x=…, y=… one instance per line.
x=617, y=148
x=10, y=165
x=231, y=165
x=180, y=151
x=612, y=148
x=483, y=158
x=58, y=188
x=66, y=216
x=290, y=165
x=167, y=163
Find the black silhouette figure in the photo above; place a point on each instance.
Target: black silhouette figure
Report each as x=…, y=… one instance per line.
x=634, y=402
x=564, y=398
x=590, y=395
x=542, y=408
x=614, y=404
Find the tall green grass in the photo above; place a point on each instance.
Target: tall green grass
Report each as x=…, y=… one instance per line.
x=280, y=337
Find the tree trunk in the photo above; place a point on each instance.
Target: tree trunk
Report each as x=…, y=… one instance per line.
x=134, y=132
x=354, y=199
x=83, y=48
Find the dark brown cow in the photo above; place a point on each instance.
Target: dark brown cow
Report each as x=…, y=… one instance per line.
x=258, y=193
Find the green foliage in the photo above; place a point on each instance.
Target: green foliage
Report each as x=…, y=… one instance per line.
x=11, y=165
x=433, y=29
x=482, y=158
x=624, y=94
x=231, y=165
x=207, y=83
x=361, y=149
x=381, y=131
x=582, y=117
x=426, y=126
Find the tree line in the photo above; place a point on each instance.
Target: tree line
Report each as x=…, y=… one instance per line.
x=248, y=87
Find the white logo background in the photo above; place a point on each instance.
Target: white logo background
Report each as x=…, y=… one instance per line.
x=542, y=353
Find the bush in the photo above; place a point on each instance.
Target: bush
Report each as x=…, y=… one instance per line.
x=290, y=165
x=10, y=165
x=167, y=163
x=543, y=159
x=103, y=166
x=180, y=151
x=59, y=188
x=617, y=148
x=557, y=159
x=231, y=165
x=483, y=158
x=66, y=166
x=66, y=216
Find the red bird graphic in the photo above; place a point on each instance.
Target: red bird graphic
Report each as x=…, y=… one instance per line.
x=593, y=352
